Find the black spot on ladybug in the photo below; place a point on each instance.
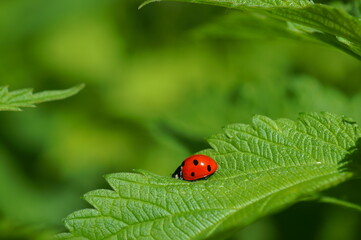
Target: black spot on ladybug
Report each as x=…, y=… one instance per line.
x=192, y=174
x=195, y=162
x=209, y=168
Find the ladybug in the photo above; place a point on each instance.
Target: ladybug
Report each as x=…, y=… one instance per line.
x=196, y=167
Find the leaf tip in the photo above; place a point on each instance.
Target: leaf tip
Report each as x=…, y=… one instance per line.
x=107, y=176
x=78, y=87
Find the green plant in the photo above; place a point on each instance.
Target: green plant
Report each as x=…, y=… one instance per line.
x=305, y=20
x=264, y=167
x=14, y=185
x=15, y=100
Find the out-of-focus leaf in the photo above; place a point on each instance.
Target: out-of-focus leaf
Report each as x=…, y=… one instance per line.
x=215, y=108
x=247, y=25
x=328, y=24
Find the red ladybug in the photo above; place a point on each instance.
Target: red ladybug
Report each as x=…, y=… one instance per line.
x=196, y=167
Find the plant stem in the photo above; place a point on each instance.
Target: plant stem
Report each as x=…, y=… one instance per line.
x=336, y=201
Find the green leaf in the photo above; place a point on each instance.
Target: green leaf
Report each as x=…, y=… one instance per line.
x=15, y=100
x=263, y=168
x=328, y=24
x=247, y=25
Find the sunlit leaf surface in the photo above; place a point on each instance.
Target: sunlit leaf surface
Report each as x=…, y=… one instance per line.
x=263, y=167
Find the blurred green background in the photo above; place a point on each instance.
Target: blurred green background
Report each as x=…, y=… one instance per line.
x=159, y=81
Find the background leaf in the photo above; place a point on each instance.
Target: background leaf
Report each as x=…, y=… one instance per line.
x=328, y=24
x=15, y=100
x=263, y=167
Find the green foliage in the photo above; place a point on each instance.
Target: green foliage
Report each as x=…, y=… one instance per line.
x=265, y=97
x=11, y=230
x=319, y=22
x=158, y=89
x=263, y=167
x=15, y=100
x=246, y=25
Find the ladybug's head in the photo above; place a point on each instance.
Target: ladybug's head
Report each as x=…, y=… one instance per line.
x=178, y=173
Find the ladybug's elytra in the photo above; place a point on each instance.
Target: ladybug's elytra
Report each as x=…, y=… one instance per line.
x=196, y=167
